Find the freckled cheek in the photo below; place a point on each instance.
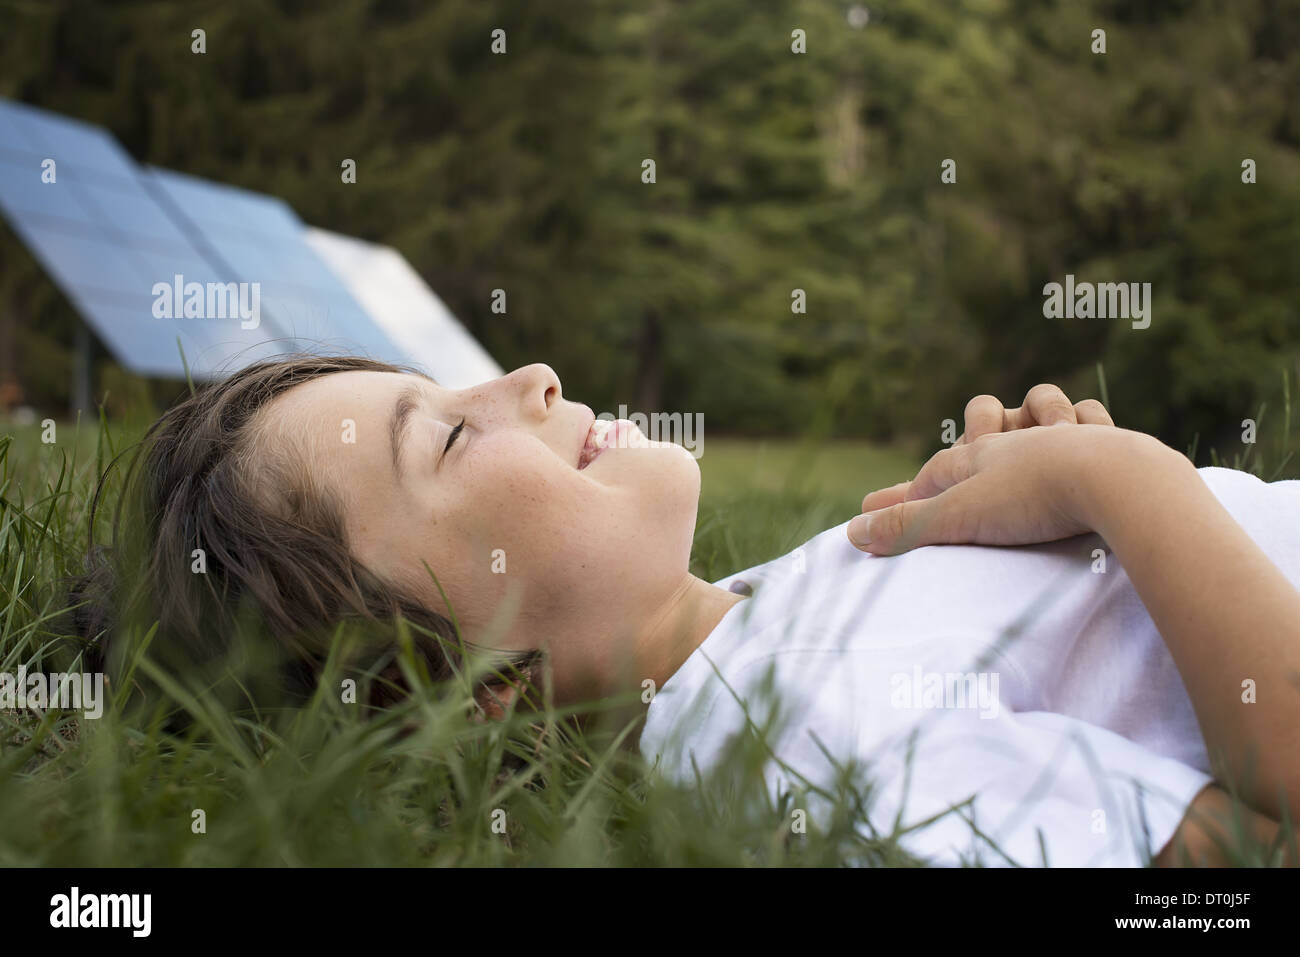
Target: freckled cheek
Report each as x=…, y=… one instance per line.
x=520, y=503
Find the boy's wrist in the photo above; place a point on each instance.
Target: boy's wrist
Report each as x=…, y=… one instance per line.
x=1125, y=467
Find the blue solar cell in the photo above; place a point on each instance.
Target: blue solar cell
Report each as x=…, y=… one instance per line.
x=128, y=332
x=304, y=267
x=130, y=209
x=151, y=344
x=260, y=239
x=14, y=134
x=97, y=263
x=310, y=318
x=88, y=207
x=163, y=270
x=22, y=192
x=249, y=261
x=220, y=208
x=226, y=305
x=77, y=148
x=281, y=262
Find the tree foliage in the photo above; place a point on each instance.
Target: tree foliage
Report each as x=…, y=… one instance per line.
x=775, y=171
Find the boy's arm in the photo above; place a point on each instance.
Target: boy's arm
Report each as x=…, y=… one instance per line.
x=1214, y=824
x=1225, y=611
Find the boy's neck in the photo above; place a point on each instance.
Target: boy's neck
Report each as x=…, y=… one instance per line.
x=687, y=619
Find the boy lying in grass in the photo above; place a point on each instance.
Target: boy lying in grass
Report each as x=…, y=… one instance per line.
x=1058, y=701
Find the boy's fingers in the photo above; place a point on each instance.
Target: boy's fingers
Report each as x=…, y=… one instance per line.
x=1045, y=404
x=931, y=513
x=1092, y=412
x=883, y=497
x=946, y=468
x=984, y=414
x=907, y=525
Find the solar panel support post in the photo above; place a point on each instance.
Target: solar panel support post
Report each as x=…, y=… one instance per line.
x=81, y=371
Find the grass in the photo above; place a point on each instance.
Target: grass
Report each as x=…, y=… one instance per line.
x=420, y=784
x=761, y=499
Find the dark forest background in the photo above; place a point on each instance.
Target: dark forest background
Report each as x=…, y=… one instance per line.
x=775, y=172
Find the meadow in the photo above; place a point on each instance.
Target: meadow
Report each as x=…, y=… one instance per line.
x=420, y=784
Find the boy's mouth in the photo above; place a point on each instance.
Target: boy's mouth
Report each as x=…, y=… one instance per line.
x=605, y=434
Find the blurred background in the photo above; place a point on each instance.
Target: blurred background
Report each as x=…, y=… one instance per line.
x=775, y=171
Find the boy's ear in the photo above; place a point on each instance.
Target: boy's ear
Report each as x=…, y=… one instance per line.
x=494, y=701
x=511, y=687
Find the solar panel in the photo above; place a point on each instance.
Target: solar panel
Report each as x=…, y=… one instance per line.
x=259, y=239
x=157, y=261
x=407, y=309
x=107, y=243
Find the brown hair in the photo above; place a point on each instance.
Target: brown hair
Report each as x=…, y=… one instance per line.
x=273, y=539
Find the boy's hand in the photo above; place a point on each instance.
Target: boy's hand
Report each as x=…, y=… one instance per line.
x=1044, y=405
x=1007, y=488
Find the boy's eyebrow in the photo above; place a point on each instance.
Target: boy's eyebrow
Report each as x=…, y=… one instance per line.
x=402, y=409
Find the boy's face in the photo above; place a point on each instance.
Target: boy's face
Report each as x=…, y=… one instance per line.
x=532, y=545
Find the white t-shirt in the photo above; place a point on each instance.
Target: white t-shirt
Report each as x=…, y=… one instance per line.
x=1075, y=736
